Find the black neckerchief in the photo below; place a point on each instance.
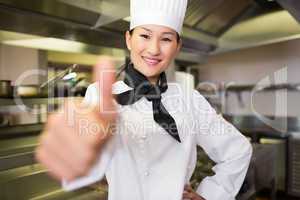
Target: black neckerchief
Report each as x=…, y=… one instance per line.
x=143, y=88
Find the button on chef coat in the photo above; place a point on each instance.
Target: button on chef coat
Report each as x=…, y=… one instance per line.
x=143, y=162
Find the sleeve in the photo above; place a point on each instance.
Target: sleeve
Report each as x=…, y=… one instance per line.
x=226, y=146
x=97, y=172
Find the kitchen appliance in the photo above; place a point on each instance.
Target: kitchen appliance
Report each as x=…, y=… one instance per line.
x=67, y=74
x=26, y=90
x=293, y=183
x=4, y=119
x=5, y=88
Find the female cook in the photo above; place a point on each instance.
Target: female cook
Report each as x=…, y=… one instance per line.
x=151, y=154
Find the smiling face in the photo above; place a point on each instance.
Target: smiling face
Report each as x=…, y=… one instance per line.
x=152, y=48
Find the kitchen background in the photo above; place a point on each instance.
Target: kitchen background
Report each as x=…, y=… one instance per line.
x=242, y=55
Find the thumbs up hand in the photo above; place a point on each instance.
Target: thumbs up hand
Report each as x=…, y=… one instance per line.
x=67, y=149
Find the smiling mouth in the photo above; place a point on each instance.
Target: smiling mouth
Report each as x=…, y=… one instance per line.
x=151, y=61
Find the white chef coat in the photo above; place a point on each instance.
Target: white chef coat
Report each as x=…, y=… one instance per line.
x=143, y=162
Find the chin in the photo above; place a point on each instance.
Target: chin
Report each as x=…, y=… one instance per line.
x=149, y=70
x=150, y=73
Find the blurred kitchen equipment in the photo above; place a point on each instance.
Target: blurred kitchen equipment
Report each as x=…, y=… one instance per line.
x=186, y=80
x=208, y=89
x=60, y=85
x=26, y=90
x=240, y=100
x=29, y=91
x=263, y=159
x=6, y=89
x=70, y=76
x=293, y=187
x=72, y=87
x=4, y=120
x=261, y=172
x=248, y=189
x=64, y=75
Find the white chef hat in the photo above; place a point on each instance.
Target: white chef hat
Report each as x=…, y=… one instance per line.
x=168, y=13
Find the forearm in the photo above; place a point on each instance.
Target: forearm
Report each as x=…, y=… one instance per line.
x=229, y=176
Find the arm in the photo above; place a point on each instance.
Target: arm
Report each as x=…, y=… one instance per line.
x=98, y=170
x=70, y=143
x=226, y=146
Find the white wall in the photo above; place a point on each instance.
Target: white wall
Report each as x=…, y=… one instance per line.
x=250, y=66
x=14, y=61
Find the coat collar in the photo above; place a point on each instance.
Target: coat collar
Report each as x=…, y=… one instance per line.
x=120, y=87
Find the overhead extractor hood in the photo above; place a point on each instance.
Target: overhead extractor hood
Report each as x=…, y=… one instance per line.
x=207, y=25
x=293, y=6
x=94, y=23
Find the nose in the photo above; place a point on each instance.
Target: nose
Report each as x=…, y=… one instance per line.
x=154, y=47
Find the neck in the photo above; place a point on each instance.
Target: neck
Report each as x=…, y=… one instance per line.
x=153, y=80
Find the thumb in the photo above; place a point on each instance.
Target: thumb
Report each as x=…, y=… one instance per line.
x=104, y=75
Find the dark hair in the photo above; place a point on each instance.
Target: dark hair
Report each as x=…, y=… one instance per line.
x=177, y=35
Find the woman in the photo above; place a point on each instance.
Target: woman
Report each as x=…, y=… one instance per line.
x=152, y=151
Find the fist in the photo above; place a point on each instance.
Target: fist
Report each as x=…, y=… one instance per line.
x=190, y=194
x=68, y=147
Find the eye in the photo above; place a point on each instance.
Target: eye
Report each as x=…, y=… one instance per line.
x=166, y=39
x=145, y=36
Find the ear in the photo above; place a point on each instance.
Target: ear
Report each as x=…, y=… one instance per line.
x=179, y=47
x=128, y=40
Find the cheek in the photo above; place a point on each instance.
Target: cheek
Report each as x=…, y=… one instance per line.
x=169, y=51
x=137, y=48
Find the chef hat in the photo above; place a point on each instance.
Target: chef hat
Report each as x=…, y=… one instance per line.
x=168, y=13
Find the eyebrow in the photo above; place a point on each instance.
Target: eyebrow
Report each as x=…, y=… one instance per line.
x=171, y=33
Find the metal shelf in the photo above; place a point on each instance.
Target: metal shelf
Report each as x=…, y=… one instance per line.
x=32, y=182
x=17, y=160
x=20, y=130
x=33, y=101
x=82, y=194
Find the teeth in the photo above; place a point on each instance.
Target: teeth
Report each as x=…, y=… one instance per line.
x=151, y=61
